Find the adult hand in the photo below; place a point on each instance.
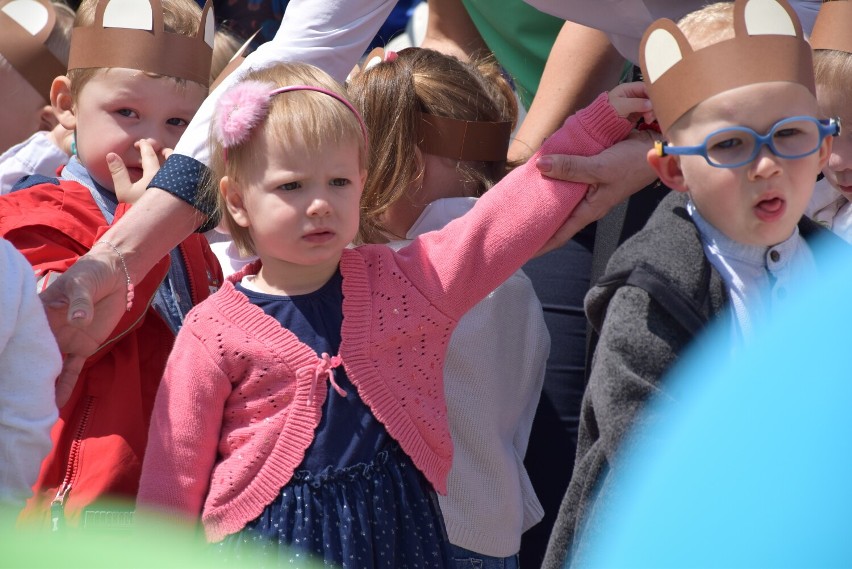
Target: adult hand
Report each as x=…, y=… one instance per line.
x=613, y=176
x=83, y=307
x=126, y=189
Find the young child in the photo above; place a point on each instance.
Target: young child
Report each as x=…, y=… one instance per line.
x=33, y=51
x=495, y=361
x=127, y=107
x=29, y=364
x=832, y=43
x=744, y=146
x=319, y=367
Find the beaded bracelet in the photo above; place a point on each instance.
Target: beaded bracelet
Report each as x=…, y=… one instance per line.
x=130, y=292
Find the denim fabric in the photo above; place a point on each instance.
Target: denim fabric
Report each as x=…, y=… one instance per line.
x=466, y=559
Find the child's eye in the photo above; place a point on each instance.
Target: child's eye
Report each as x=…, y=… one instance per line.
x=340, y=182
x=786, y=132
x=290, y=186
x=127, y=113
x=727, y=144
x=174, y=121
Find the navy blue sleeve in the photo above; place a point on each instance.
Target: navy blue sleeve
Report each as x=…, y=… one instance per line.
x=184, y=177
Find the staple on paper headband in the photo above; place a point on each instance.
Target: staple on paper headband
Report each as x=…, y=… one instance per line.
x=131, y=34
x=464, y=140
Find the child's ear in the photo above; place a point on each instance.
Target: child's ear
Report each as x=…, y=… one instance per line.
x=230, y=190
x=62, y=102
x=668, y=170
x=825, y=151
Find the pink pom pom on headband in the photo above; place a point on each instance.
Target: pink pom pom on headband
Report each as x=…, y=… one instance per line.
x=242, y=107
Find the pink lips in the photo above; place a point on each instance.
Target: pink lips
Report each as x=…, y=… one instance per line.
x=319, y=236
x=770, y=209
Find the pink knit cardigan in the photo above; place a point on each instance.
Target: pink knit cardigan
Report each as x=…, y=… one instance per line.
x=240, y=399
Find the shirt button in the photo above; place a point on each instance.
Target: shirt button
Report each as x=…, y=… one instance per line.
x=774, y=255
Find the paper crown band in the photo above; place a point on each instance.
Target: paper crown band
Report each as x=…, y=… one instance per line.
x=26, y=25
x=140, y=42
x=833, y=27
x=768, y=46
x=464, y=140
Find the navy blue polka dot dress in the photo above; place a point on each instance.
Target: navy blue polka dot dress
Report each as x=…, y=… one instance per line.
x=357, y=501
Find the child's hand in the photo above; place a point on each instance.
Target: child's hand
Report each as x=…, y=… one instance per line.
x=630, y=101
x=126, y=189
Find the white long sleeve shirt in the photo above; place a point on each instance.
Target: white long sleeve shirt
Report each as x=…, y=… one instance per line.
x=29, y=365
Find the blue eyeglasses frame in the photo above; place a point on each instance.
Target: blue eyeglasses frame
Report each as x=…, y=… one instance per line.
x=827, y=127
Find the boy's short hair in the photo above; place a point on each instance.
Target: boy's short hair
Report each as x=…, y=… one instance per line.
x=832, y=42
x=301, y=117
x=764, y=42
x=180, y=17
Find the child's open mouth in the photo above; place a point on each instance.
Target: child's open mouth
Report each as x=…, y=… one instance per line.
x=770, y=210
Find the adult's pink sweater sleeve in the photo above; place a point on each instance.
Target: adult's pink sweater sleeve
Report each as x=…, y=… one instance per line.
x=185, y=429
x=460, y=264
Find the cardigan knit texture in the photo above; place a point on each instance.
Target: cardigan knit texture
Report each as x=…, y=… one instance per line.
x=254, y=379
x=493, y=375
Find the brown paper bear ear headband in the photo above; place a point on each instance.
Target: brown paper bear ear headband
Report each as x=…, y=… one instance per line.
x=768, y=46
x=26, y=25
x=833, y=27
x=452, y=138
x=130, y=34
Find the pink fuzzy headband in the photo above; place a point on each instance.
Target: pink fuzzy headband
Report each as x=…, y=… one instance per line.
x=243, y=106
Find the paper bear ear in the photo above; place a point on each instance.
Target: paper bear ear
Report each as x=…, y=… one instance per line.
x=131, y=34
x=26, y=25
x=37, y=18
x=769, y=17
x=664, y=47
x=833, y=27
x=768, y=45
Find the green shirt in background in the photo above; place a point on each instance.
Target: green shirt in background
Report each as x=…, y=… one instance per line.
x=520, y=37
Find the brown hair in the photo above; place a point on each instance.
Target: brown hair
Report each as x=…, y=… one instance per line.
x=392, y=94
x=179, y=17
x=298, y=117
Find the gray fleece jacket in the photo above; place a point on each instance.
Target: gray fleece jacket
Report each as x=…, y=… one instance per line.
x=659, y=291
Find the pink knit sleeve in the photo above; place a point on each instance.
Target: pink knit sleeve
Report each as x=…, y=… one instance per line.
x=185, y=428
x=462, y=263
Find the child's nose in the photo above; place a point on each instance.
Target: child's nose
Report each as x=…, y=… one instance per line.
x=841, y=155
x=319, y=206
x=765, y=164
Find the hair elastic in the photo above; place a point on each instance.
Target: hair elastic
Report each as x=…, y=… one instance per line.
x=243, y=106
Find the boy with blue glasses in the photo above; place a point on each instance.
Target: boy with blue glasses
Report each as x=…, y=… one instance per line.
x=744, y=145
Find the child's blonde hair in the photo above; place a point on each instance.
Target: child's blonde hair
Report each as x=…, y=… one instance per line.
x=392, y=94
x=833, y=71
x=308, y=118
x=179, y=17
x=708, y=25
x=225, y=45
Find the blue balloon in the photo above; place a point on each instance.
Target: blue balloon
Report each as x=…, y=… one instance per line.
x=752, y=465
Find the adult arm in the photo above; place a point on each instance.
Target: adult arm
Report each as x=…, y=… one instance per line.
x=582, y=63
x=450, y=30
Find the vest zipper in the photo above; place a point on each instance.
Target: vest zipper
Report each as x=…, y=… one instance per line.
x=57, y=506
